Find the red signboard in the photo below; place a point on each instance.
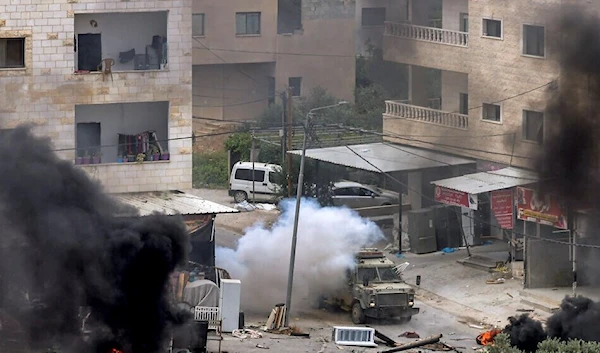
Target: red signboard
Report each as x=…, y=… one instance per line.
x=455, y=198
x=502, y=206
x=543, y=209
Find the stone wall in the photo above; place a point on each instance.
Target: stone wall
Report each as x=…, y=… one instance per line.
x=46, y=92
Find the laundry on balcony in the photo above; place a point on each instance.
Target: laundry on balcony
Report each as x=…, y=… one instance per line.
x=126, y=56
x=144, y=143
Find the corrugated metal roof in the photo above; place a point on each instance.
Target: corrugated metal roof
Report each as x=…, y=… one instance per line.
x=384, y=157
x=489, y=181
x=171, y=203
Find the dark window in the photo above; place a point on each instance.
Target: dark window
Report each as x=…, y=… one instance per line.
x=271, y=89
x=363, y=192
x=89, y=51
x=198, y=24
x=533, y=40
x=247, y=23
x=492, y=28
x=373, y=16
x=295, y=84
x=246, y=174
x=344, y=192
x=533, y=126
x=464, y=22
x=88, y=139
x=273, y=178
x=491, y=112
x=464, y=103
x=12, y=53
x=289, y=16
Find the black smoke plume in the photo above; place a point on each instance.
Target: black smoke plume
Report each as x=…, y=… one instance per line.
x=64, y=257
x=570, y=158
x=525, y=333
x=577, y=319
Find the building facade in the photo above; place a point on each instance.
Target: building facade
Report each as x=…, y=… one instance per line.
x=106, y=79
x=246, y=53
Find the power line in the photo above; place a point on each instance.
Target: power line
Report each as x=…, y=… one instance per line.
x=460, y=214
x=278, y=53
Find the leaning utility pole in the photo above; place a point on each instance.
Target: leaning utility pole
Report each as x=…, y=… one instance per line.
x=289, y=139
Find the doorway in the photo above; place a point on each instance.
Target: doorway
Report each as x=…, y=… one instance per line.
x=89, y=51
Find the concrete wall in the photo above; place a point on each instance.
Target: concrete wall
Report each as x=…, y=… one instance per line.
x=231, y=92
x=396, y=11
x=453, y=83
x=322, y=53
x=496, y=70
x=46, y=92
x=125, y=118
x=451, y=11
x=122, y=32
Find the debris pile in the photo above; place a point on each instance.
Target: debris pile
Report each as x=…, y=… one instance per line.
x=276, y=320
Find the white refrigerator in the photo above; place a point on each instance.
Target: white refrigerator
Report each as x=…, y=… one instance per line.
x=229, y=302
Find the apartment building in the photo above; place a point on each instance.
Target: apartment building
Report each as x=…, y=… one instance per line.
x=476, y=68
x=105, y=80
x=248, y=52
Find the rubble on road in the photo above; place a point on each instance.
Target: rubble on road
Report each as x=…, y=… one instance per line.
x=246, y=333
x=410, y=334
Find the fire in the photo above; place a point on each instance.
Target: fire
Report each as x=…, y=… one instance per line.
x=114, y=350
x=487, y=338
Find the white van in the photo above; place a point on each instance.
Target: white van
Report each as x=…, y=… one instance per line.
x=265, y=187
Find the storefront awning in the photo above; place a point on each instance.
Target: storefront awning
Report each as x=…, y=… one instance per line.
x=383, y=157
x=169, y=203
x=478, y=183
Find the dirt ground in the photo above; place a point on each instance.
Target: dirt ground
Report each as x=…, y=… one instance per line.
x=236, y=222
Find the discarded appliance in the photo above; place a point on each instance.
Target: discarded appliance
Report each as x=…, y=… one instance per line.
x=354, y=336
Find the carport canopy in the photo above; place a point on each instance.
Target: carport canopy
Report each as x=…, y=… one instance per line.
x=384, y=157
x=478, y=183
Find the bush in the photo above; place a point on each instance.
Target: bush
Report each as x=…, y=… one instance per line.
x=210, y=170
x=551, y=345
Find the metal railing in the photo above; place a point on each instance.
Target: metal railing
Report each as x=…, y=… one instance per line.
x=427, y=34
x=426, y=115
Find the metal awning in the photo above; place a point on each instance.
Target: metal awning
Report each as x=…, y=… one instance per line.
x=489, y=181
x=170, y=203
x=385, y=157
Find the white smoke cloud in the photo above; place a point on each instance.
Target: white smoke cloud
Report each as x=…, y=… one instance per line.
x=327, y=239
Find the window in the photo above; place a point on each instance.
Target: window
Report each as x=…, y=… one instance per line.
x=247, y=23
x=464, y=103
x=246, y=174
x=533, y=126
x=373, y=16
x=464, y=22
x=491, y=112
x=273, y=178
x=198, y=25
x=12, y=53
x=533, y=40
x=295, y=84
x=492, y=28
x=289, y=16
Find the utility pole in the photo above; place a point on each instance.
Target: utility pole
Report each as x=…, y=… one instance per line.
x=289, y=139
x=252, y=157
x=283, y=135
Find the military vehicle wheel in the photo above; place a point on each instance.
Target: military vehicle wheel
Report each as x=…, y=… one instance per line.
x=240, y=196
x=405, y=320
x=358, y=315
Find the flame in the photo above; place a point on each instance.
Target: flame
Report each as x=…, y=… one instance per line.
x=487, y=338
x=114, y=350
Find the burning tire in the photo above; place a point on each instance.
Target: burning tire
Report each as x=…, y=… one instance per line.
x=358, y=314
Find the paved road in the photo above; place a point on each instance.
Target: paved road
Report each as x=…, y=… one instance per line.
x=319, y=324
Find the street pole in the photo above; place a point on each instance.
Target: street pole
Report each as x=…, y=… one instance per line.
x=288, y=299
x=252, y=155
x=289, y=137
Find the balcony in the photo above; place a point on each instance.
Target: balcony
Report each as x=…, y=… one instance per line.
x=427, y=34
x=400, y=109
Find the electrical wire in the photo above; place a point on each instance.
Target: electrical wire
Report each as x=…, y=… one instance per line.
x=470, y=217
x=278, y=53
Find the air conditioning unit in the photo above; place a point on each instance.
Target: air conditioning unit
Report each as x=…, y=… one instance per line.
x=354, y=336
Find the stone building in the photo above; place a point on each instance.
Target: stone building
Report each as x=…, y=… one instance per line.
x=247, y=52
x=92, y=73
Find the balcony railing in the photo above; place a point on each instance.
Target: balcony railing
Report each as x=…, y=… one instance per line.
x=397, y=109
x=427, y=34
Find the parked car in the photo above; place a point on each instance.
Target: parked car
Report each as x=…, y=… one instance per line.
x=265, y=186
x=356, y=195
